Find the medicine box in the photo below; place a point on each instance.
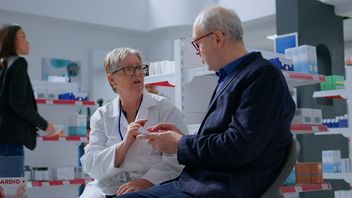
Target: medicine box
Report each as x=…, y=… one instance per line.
x=65, y=173
x=309, y=173
x=317, y=116
x=303, y=115
x=331, y=160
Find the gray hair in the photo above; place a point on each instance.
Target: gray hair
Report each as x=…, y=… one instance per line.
x=218, y=18
x=114, y=58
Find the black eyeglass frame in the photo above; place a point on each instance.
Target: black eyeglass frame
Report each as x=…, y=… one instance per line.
x=127, y=69
x=194, y=42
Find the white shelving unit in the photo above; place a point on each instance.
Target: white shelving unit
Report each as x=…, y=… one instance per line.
x=72, y=182
x=345, y=176
x=63, y=139
x=305, y=188
x=56, y=151
x=196, y=83
x=341, y=94
x=346, y=132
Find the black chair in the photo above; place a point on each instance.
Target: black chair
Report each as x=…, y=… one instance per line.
x=274, y=189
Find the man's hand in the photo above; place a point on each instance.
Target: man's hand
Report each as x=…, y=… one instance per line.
x=133, y=186
x=163, y=137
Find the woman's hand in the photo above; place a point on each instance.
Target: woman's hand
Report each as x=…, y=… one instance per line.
x=132, y=131
x=50, y=129
x=131, y=135
x=133, y=186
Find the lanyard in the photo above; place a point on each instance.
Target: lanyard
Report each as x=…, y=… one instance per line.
x=120, y=123
x=120, y=117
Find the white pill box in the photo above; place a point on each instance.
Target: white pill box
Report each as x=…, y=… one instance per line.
x=303, y=116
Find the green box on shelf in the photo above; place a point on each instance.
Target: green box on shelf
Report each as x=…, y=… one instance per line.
x=335, y=78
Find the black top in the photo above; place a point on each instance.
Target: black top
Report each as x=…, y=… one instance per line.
x=20, y=117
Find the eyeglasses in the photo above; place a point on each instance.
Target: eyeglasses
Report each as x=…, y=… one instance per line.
x=131, y=70
x=194, y=42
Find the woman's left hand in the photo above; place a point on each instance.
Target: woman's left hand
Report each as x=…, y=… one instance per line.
x=133, y=186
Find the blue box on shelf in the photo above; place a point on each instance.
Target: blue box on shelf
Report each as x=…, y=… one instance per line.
x=67, y=96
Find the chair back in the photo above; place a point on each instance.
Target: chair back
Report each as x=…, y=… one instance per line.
x=292, y=155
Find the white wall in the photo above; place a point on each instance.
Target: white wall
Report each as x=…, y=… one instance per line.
x=166, y=13
x=68, y=40
x=115, y=13
x=140, y=15
x=160, y=43
x=64, y=39
x=251, y=9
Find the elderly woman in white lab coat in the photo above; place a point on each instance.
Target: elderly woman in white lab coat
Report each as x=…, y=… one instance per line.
x=118, y=162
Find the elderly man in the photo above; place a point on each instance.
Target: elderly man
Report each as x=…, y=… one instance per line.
x=244, y=137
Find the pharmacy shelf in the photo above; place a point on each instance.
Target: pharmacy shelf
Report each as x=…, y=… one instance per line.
x=294, y=79
x=65, y=102
x=31, y=184
x=166, y=80
x=63, y=138
x=308, y=128
x=345, y=176
x=336, y=94
x=295, y=128
x=305, y=188
x=346, y=132
x=297, y=79
x=190, y=74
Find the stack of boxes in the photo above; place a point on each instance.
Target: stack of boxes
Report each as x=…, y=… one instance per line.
x=283, y=63
x=337, y=122
x=304, y=58
x=333, y=82
x=77, y=125
x=308, y=116
x=309, y=173
x=331, y=161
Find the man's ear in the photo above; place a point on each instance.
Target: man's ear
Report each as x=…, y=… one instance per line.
x=220, y=38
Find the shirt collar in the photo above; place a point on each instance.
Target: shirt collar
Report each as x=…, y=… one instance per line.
x=229, y=68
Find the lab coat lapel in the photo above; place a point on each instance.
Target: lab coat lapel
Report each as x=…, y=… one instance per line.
x=144, y=108
x=114, y=113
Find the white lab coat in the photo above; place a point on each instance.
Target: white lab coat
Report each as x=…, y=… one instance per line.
x=141, y=161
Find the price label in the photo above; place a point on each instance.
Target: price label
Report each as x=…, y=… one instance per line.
x=66, y=182
x=50, y=102
x=315, y=128
x=298, y=188
x=316, y=77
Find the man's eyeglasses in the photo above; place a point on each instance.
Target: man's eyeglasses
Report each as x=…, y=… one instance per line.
x=194, y=42
x=131, y=70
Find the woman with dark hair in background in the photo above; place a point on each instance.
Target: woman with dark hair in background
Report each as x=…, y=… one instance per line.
x=19, y=118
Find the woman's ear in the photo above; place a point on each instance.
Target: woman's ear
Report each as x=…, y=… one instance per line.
x=111, y=79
